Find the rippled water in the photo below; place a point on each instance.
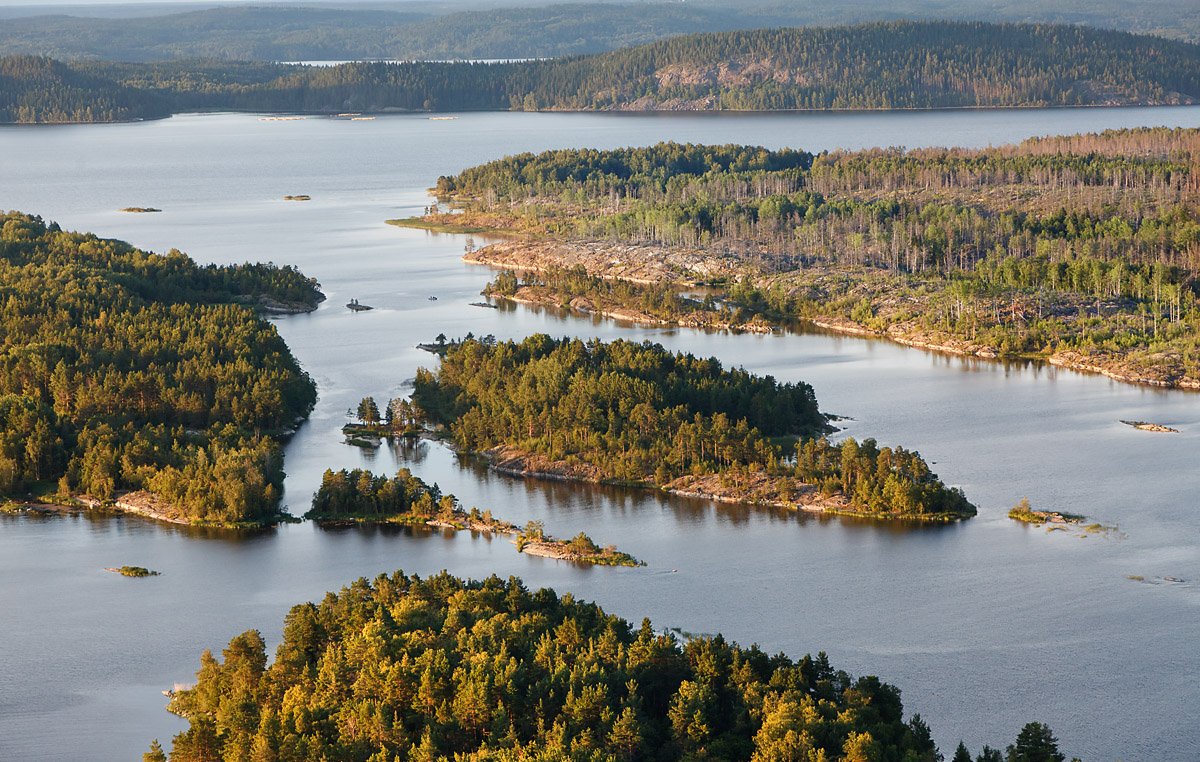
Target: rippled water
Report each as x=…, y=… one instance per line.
x=984, y=625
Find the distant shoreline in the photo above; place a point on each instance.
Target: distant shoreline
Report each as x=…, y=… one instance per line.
x=621, y=112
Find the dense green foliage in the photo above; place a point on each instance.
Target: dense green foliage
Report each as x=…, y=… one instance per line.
x=429, y=33
x=589, y=173
x=577, y=393
x=121, y=369
x=405, y=668
x=636, y=412
x=871, y=66
x=34, y=89
x=438, y=669
x=1087, y=243
x=360, y=494
x=878, y=480
x=1035, y=743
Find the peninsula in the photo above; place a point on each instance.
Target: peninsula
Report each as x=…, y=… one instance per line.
x=1080, y=250
x=360, y=496
x=144, y=382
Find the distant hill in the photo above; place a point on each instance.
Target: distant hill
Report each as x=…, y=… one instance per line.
x=871, y=66
x=239, y=32
x=881, y=66
x=428, y=32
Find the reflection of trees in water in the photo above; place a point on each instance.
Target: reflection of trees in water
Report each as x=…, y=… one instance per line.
x=122, y=523
x=633, y=503
x=368, y=529
x=371, y=529
x=408, y=449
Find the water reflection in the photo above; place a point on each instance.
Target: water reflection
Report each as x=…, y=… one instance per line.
x=615, y=502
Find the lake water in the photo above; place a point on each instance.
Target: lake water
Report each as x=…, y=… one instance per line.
x=985, y=625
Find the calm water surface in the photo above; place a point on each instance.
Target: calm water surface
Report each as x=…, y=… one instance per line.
x=985, y=625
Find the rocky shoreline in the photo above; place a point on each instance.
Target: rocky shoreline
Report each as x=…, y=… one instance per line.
x=140, y=502
x=635, y=263
x=756, y=489
x=461, y=520
x=151, y=506
x=274, y=307
x=587, y=306
x=759, y=490
x=688, y=267
x=1116, y=369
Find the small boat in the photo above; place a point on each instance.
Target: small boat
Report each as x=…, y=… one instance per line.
x=442, y=118
x=433, y=298
x=354, y=305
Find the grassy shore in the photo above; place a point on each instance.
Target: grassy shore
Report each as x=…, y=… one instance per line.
x=444, y=224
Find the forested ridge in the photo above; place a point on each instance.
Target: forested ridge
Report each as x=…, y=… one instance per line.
x=121, y=369
x=436, y=669
x=35, y=89
x=870, y=66
x=637, y=413
x=1084, y=244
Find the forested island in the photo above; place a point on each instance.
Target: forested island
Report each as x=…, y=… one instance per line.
x=433, y=669
x=361, y=496
x=883, y=65
x=637, y=414
x=1081, y=250
x=144, y=379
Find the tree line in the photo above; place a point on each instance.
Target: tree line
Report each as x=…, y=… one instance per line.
x=639, y=413
x=121, y=369
x=882, y=65
x=441, y=668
